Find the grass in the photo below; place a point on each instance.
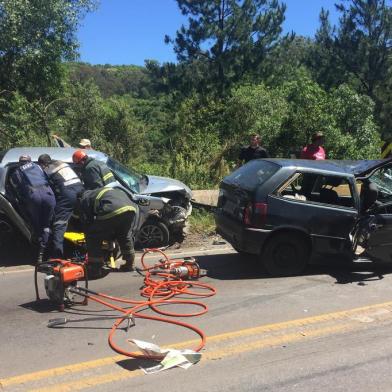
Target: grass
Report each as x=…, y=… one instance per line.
x=202, y=222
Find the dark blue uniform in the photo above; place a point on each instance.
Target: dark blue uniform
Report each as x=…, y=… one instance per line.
x=37, y=199
x=66, y=186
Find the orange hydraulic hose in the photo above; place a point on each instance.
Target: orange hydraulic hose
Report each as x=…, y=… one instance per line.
x=158, y=288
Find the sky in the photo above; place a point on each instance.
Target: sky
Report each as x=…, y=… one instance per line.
x=125, y=32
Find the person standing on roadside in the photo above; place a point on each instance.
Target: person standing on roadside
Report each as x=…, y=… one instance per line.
x=85, y=144
x=34, y=193
x=66, y=185
x=253, y=151
x=315, y=149
x=95, y=174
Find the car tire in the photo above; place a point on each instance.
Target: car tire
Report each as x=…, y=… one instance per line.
x=286, y=254
x=153, y=234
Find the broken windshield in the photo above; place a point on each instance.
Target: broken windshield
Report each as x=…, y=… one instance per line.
x=128, y=177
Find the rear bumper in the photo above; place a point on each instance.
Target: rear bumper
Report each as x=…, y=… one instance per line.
x=242, y=238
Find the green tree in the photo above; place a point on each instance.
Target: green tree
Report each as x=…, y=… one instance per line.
x=231, y=36
x=358, y=52
x=344, y=116
x=82, y=114
x=113, y=80
x=35, y=37
x=326, y=68
x=286, y=116
x=364, y=40
x=123, y=135
x=196, y=145
x=283, y=62
x=355, y=134
x=254, y=109
x=19, y=123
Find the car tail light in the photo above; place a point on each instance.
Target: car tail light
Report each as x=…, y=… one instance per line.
x=248, y=214
x=255, y=214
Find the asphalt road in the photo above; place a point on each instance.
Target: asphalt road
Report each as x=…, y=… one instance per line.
x=328, y=329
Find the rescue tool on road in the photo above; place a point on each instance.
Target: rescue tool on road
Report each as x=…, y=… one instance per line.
x=163, y=282
x=61, y=277
x=183, y=268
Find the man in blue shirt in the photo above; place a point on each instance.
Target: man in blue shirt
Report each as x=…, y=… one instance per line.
x=37, y=199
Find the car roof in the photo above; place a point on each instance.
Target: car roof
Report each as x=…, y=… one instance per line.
x=356, y=168
x=57, y=153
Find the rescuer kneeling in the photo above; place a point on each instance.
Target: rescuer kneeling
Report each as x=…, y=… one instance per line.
x=108, y=214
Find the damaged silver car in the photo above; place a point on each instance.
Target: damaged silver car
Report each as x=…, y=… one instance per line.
x=164, y=203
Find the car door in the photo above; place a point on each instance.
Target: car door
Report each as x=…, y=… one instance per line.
x=379, y=243
x=377, y=224
x=8, y=212
x=322, y=205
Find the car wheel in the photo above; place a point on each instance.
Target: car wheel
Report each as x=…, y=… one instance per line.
x=285, y=254
x=153, y=235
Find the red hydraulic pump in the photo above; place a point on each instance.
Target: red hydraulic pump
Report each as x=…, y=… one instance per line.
x=61, y=277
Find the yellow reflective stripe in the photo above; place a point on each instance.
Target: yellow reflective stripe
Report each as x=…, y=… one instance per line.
x=116, y=212
x=386, y=151
x=100, y=194
x=107, y=176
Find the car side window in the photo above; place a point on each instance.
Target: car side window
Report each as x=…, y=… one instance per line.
x=316, y=188
x=383, y=179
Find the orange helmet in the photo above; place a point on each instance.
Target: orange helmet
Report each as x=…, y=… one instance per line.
x=79, y=156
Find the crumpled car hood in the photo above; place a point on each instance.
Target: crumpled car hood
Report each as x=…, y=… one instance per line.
x=158, y=184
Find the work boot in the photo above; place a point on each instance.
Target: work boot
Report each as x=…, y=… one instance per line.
x=129, y=265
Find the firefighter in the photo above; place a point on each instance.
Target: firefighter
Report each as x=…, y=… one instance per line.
x=37, y=198
x=95, y=174
x=66, y=185
x=108, y=214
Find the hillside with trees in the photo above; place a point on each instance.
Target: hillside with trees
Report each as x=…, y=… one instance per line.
x=236, y=74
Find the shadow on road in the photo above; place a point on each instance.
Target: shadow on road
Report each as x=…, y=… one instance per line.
x=234, y=266
x=42, y=306
x=132, y=364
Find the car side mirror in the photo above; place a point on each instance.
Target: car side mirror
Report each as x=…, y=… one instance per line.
x=143, y=202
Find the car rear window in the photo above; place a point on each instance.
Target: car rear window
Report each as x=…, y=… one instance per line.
x=253, y=174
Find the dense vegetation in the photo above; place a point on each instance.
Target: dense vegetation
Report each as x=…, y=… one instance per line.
x=236, y=74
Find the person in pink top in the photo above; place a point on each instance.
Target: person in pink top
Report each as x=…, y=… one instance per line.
x=314, y=150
